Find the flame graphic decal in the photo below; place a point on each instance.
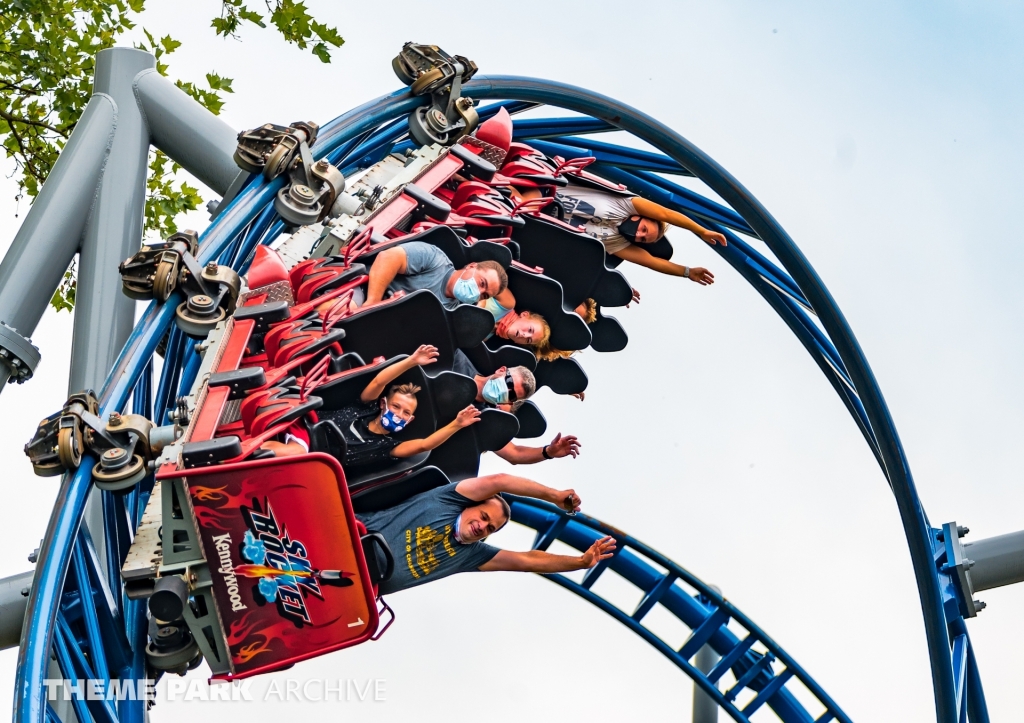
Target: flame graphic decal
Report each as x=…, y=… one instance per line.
x=208, y=494
x=250, y=651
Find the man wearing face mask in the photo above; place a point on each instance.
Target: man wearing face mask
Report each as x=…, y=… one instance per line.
x=367, y=426
x=441, y=532
x=506, y=390
x=419, y=265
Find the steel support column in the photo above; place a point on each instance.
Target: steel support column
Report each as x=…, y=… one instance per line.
x=49, y=236
x=192, y=136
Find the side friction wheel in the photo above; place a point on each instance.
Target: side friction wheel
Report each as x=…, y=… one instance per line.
x=121, y=479
x=69, y=447
x=165, y=279
x=196, y=325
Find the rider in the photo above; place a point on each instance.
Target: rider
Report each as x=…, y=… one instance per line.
x=419, y=265
x=442, y=532
x=625, y=223
x=367, y=426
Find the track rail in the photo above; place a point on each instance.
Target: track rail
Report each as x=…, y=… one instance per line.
x=747, y=660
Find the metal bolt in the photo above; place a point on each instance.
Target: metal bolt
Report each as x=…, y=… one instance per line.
x=24, y=592
x=322, y=164
x=962, y=531
x=115, y=419
x=211, y=268
x=979, y=605
x=968, y=564
x=34, y=555
x=3, y=353
x=15, y=362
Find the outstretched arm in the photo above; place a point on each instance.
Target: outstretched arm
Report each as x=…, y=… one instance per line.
x=469, y=415
x=482, y=488
x=385, y=268
x=540, y=561
x=656, y=211
x=425, y=354
x=559, y=447
x=641, y=257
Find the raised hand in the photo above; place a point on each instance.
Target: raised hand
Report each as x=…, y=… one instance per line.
x=469, y=415
x=636, y=298
x=568, y=500
x=564, y=446
x=702, y=276
x=426, y=354
x=600, y=550
x=713, y=237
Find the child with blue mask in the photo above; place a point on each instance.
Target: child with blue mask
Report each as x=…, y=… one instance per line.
x=368, y=425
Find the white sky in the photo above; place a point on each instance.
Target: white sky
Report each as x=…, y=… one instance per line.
x=885, y=137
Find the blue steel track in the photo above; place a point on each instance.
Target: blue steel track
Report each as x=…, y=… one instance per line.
x=81, y=616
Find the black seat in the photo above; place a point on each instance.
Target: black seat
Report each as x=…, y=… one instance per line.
x=562, y=376
x=575, y=260
x=607, y=333
x=487, y=358
x=458, y=250
x=364, y=480
x=385, y=493
x=344, y=362
x=459, y=457
x=541, y=294
x=326, y=437
x=531, y=421
x=399, y=326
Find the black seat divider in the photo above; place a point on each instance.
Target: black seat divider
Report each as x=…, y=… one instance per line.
x=326, y=437
x=487, y=360
x=263, y=314
x=531, y=421
x=608, y=334
x=374, y=548
x=240, y=380
x=562, y=376
x=470, y=325
x=210, y=452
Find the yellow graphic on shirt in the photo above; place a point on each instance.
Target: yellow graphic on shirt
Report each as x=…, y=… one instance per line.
x=427, y=541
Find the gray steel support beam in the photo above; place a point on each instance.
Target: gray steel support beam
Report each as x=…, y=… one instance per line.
x=13, y=600
x=199, y=141
x=705, y=709
x=997, y=560
x=104, y=317
x=49, y=237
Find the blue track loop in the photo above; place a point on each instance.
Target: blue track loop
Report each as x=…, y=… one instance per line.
x=109, y=642
x=704, y=611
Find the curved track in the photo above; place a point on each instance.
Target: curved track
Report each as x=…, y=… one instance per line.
x=78, y=612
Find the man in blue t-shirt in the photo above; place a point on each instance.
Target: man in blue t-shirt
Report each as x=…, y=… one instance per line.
x=418, y=265
x=440, y=532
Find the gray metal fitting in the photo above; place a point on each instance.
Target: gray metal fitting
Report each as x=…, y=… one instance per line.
x=18, y=353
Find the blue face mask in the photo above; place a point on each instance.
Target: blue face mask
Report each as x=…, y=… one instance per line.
x=495, y=391
x=391, y=423
x=466, y=291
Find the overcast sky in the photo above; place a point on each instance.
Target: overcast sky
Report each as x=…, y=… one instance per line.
x=885, y=137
